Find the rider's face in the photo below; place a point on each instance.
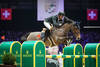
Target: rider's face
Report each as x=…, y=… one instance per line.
x=60, y=17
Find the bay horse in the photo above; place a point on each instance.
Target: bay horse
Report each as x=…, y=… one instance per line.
x=57, y=35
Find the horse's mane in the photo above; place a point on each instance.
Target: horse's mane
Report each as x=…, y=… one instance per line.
x=64, y=28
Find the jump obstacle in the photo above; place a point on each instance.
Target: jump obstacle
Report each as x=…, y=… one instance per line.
x=10, y=47
x=33, y=54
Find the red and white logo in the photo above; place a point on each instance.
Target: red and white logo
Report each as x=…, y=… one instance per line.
x=6, y=14
x=92, y=14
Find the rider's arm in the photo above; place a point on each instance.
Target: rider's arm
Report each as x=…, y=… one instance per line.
x=48, y=22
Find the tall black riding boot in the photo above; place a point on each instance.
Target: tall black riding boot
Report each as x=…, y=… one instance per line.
x=43, y=36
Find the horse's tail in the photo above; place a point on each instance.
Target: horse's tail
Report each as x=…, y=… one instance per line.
x=24, y=37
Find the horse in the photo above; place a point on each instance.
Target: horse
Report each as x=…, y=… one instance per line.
x=58, y=35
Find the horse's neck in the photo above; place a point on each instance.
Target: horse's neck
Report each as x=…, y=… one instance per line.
x=64, y=29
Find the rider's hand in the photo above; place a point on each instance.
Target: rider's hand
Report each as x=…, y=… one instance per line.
x=51, y=27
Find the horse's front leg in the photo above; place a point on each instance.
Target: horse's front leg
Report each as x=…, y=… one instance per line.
x=68, y=42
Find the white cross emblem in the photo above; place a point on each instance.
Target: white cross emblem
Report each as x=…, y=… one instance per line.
x=6, y=14
x=92, y=15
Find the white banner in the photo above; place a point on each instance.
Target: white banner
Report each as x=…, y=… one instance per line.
x=47, y=8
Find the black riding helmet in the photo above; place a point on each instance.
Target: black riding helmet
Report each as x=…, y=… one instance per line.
x=61, y=13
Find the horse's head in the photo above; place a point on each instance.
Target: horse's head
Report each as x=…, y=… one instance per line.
x=73, y=27
x=76, y=31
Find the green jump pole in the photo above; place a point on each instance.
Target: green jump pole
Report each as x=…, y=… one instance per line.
x=70, y=56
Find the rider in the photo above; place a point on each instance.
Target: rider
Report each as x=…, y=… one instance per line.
x=54, y=21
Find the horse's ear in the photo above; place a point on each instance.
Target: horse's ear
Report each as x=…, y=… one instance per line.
x=77, y=24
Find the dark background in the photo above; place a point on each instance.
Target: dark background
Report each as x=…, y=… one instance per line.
x=25, y=14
